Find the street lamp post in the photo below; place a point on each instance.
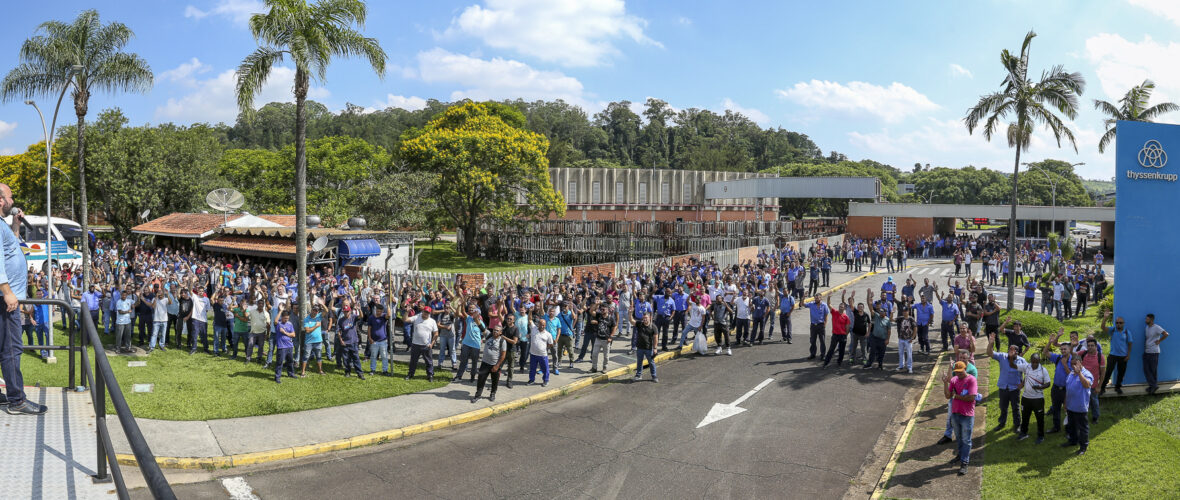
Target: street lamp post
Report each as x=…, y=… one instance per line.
x=49, y=191
x=1052, y=184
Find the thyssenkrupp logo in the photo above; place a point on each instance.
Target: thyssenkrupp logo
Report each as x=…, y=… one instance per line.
x=1152, y=155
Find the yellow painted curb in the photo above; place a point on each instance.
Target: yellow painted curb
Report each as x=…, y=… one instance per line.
x=471, y=416
x=259, y=457
x=509, y=406
x=374, y=438
x=316, y=449
x=579, y=384
x=545, y=396
x=905, y=435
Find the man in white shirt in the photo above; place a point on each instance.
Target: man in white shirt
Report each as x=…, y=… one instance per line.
x=1032, y=395
x=539, y=346
x=160, y=321
x=696, y=318
x=1152, y=336
x=425, y=334
x=741, y=306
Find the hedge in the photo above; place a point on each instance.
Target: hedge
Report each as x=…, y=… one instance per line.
x=1034, y=324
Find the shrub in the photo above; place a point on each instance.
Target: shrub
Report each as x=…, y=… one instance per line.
x=1106, y=304
x=1034, y=324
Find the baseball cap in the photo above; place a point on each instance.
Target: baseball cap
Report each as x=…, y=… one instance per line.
x=889, y=278
x=960, y=367
x=428, y=310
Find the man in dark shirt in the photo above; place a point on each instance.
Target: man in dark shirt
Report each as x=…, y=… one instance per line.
x=645, y=341
x=602, y=327
x=349, y=338
x=186, y=307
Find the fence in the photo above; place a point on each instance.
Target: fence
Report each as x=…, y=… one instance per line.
x=594, y=242
x=723, y=258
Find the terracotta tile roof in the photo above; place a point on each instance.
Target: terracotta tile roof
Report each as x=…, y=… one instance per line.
x=252, y=245
x=187, y=225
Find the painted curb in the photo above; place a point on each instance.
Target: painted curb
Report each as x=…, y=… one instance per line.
x=433, y=425
x=887, y=474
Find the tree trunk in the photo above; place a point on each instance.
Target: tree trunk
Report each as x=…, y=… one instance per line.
x=469, y=239
x=80, y=108
x=301, y=84
x=1012, y=233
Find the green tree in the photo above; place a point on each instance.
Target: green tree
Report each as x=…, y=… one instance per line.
x=86, y=55
x=1028, y=103
x=486, y=166
x=310, y=35
x=1132, y=107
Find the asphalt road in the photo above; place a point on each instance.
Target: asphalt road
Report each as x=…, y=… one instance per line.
x=805, y=435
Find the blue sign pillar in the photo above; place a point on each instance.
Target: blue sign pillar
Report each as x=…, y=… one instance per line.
x=1146, y=237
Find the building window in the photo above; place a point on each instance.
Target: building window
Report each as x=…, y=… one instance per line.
x=687, y=195
x=643, y=193
x=596, y=192
x=619, y=194
x=571, y=192
x=665, y=193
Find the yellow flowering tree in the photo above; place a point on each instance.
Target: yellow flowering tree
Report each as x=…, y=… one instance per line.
x=488, y=166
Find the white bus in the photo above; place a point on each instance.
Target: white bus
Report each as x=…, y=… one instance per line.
x=66, y=238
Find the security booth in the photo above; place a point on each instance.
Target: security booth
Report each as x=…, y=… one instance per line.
x=351, y=250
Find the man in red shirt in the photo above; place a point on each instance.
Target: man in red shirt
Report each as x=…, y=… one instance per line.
x=839, y=328
x=1093, y=361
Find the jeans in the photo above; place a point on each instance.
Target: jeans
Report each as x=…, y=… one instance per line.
x=1114, y=363
x=468, y=354
x=924, y=337
x=721, y=331
x=1010, y=398
x=446, y=344
x=601, y=346
x=286, y=362
x=122, y=336
x=905, y=354
x=196, y=328
x=220, y=343
x=757, y=329
x=856, y=347
x=950, y=428
x=1077, y=428
x=838, y=345
x=784, y=325
x=1056, y=402
x=962, y=425
x=329, y=343
x=947, y=332
x=876, y=352
x=1032, y=407
x=144, y=322
x=416, y=352
x=742, y=330
x=817, y=332
x=523, y=347
x=1094, y=406
x=485, y=369
x=10, y=354
x=1151, y=361
x=255, y=340
x=649, y=355
x=379, y=350
x=536, y=362
x=684, y=334
x=160, y=333
x=1028, y=304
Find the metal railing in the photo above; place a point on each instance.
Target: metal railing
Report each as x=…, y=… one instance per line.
x=102, y=385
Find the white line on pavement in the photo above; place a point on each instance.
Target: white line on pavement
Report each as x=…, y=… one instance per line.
x=238, y=489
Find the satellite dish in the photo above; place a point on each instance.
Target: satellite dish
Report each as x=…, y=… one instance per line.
x=319, y=243
x=225, y=199
x=145, y=213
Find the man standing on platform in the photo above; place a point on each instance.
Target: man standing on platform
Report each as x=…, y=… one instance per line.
x=13, y=285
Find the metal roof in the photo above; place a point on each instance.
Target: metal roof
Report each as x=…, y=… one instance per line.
x=1023, y=212
x=844, y=188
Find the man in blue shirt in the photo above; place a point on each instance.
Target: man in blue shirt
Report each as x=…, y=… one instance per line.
x=1077, y=405
x=758, y=308
x=1062, y=362
x=1030, y=293
x=679, y=306
x=1119, y=353
x=473, y=340
x=313, y=337
x=825, y=265
x=924, y=314
x=786, y=304
x=888, y=289
x=819, y=321
x=1010, y=380
x=92, y=299
x=950, y=316
x=13, y=286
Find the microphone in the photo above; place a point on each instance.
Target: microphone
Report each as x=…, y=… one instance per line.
x=14, y=211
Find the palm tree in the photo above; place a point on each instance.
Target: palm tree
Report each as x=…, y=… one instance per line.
x=1132, y=107
x=310, y=35
x=47, y=63
x=1028, y=104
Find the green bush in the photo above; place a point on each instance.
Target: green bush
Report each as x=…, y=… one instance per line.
x=1034, y=324
x=1106, y=304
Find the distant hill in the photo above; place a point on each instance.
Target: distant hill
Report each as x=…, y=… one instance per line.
x=1101, y=187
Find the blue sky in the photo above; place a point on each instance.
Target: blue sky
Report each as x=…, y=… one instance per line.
x=889, y=81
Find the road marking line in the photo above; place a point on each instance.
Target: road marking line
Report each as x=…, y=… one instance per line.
x=721, y=411
x=887, y=474
x=753, y=391
x=238, y=489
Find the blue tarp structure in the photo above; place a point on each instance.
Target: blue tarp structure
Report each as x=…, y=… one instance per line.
x=354, y=252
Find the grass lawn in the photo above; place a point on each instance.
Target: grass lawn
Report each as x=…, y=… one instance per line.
x=1132, y=454
x=442, y=257
x=203, y=387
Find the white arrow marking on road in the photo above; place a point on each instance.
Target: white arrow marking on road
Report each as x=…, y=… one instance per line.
x=722, y=411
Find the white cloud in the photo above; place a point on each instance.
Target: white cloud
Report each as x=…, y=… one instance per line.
x=753, y=114
x=684, y=21
x=892, y=104
x=185, y=72
x=497, y=78
x=1167, y=8
x=6, y=128
x=213, y=100
x=569, y=32
x=957, y=71
x=1121, y=64
x=239, y=11
x=412, y=103
x=947, y=143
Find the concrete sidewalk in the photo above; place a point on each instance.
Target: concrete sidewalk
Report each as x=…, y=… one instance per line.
x=924, y=468
x=247, y=440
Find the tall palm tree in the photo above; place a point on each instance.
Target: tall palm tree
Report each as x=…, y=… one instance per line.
x=1027, y=103
x=310, y=35
x=46, y=65
x=1132, y=107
